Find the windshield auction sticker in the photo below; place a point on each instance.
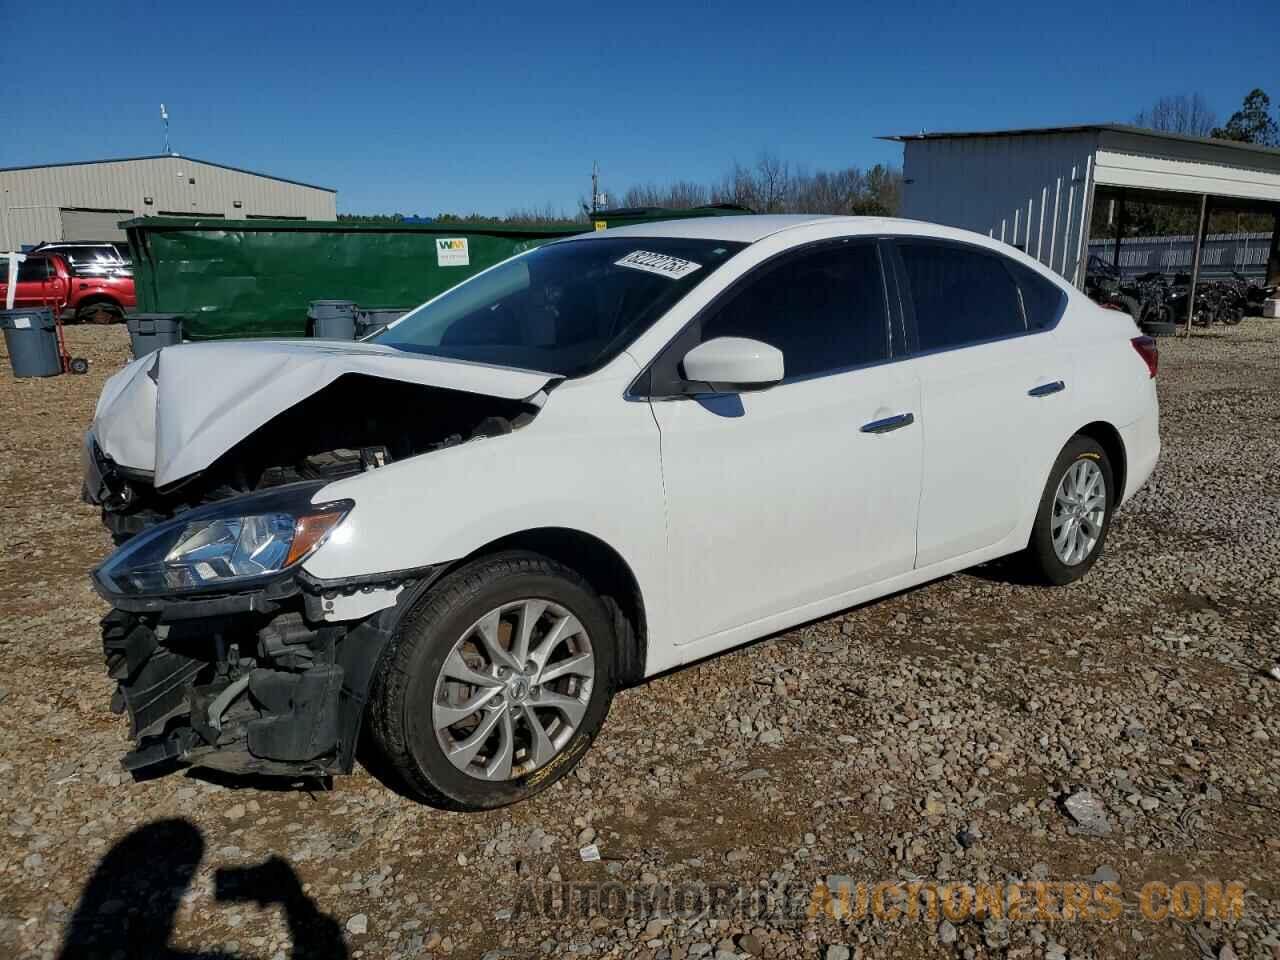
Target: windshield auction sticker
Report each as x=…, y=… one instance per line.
x=658, y=263
x=452, y=252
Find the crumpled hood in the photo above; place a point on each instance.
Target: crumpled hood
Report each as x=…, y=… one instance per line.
x=173, y=412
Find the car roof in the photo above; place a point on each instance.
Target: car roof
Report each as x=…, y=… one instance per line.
x=753, y=227
x=79, y=243
x=743, y=229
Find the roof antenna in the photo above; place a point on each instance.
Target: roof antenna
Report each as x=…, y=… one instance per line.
x=164, y=115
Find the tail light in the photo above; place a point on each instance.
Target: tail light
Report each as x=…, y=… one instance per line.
x=1149, y=352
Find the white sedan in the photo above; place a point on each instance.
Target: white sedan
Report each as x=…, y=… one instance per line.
x=598, y=460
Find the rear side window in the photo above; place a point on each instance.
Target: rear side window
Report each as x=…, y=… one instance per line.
x=824, y=309
x=962, y=295
x=1042, y=299
x=31, y=270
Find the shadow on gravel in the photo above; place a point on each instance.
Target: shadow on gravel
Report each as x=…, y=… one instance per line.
x=1008, y=570
x=129, y=905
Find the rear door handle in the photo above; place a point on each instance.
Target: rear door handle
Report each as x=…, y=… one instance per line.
x=1047, y=388
x=889, y=424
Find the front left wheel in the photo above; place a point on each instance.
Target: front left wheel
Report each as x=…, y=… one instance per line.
x=496, y=683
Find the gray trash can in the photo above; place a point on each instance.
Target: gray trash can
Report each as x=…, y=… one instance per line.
x=32, y=340
x=151, y=331
x=370, y=319
x=332, y=319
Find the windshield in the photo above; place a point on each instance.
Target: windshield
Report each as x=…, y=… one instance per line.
x=565, y=308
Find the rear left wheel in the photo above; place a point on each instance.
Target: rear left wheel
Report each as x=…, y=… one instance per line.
x=99, y=313
x=1074, y=514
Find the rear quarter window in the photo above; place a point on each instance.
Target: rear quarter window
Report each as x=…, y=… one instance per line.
x=1042, y=299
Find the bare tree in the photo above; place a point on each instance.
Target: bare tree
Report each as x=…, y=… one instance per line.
x=681, y=195
x=1189, y=114
x=737, y=186
x=773, y=177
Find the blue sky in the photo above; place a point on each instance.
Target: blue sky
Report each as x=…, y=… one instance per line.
x=427, y=107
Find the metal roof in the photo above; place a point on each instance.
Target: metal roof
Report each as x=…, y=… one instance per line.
x=1085, y=128
x=168, y=156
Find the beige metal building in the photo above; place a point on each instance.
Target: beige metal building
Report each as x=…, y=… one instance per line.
x=85, y=201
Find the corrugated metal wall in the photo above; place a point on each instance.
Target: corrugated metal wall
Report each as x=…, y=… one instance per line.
x=1030, y=191
x=32, y=199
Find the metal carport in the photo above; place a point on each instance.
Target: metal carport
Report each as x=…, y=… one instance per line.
x=1037, y=188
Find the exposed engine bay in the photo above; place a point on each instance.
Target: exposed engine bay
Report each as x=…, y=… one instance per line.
x=356, y=423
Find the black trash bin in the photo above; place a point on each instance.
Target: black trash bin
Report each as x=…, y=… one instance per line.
x=31, y=337
x=151, y=331
x=369, y=319
x=332, y=319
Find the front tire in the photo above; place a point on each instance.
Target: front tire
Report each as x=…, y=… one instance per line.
x=1074, y=514
x=496, y=683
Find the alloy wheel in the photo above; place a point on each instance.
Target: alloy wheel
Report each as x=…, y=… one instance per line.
x=513, y=690
x=1079, y=509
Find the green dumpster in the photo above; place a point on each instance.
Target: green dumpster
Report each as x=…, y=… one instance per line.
x=255, y=278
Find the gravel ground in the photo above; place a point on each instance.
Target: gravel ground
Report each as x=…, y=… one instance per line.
x=937, y=735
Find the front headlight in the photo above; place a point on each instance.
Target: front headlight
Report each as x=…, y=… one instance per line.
x=232, y=542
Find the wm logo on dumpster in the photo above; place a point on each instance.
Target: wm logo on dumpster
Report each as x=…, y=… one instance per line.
x=452, y=252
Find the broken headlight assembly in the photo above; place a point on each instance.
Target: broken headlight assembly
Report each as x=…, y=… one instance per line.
x=235, y=543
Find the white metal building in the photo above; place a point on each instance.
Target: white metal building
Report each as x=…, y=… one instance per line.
x=85, y=201
x=1037, y=189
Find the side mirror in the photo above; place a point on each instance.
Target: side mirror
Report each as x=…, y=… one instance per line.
x=734, y=364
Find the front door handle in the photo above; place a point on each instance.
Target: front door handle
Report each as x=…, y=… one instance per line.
x=1047, y=388
x=889, y=424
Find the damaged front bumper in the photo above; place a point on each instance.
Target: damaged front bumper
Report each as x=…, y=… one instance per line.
x=251, y=683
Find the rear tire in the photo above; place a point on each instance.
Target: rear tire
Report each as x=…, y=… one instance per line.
x=100, y=312
x=1074, y=515
x=417, y=689
x=1157, y=328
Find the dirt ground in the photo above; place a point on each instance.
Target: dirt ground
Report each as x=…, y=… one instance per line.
x=944, y=735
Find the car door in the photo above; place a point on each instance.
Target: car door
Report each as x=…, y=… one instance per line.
x=786, y=496
x=994, y=392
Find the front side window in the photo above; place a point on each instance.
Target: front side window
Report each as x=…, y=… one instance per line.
x=962, y=295
x=565, y=308
x=824, y=309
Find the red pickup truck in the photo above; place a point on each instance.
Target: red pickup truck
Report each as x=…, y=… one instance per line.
x=47, y=279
